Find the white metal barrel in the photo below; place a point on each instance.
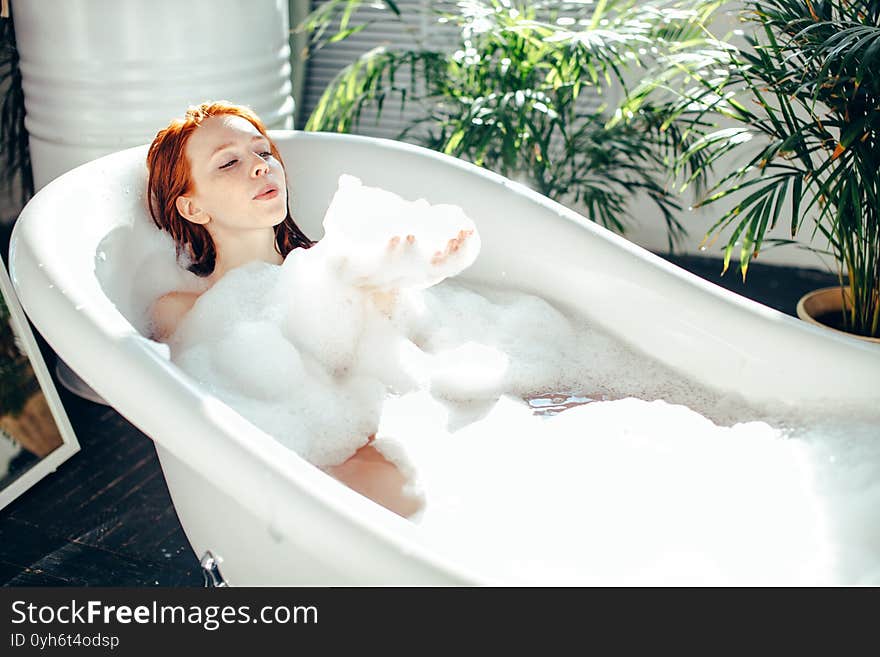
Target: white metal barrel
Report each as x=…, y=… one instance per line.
x=104, y=75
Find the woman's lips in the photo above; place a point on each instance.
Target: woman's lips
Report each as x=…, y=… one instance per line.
x=266, y=193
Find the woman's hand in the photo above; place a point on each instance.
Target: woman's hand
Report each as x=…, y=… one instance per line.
x=452, y=247
x=405, y=262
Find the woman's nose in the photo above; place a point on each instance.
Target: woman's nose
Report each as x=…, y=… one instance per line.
x=259, y=166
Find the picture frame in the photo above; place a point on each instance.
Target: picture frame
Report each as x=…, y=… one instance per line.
x=35, y=433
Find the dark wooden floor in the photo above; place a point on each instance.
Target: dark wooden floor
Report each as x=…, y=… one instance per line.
x=105, y=517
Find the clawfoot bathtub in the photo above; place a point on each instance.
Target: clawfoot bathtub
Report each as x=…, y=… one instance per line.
x=268, y=516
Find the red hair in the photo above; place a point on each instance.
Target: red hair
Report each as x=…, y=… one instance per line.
x=169, y=177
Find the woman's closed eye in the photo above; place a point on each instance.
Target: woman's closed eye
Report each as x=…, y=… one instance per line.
x=264, y=155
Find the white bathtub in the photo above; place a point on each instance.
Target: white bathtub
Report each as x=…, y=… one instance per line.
x=271, y=517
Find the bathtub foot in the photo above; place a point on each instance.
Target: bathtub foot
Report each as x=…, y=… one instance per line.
x=211, y=571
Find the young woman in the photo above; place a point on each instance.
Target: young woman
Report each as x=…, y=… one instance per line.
x=218, y=186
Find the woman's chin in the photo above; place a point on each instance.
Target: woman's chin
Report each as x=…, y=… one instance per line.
x=276, y=213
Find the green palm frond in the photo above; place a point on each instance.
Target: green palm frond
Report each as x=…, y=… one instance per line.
x=14, y=152
x=507, y=97
x=318, y=23
x=804, y=90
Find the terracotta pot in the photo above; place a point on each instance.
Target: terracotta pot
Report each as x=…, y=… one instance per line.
x=34, y=428
x=825, y=300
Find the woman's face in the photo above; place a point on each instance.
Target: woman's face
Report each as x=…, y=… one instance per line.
x=237, y=185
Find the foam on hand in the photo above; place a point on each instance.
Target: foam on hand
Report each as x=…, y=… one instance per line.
x=362, y=221
x=327, y=352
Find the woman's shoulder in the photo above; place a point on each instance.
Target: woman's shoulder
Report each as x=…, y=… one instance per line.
x=168, y=310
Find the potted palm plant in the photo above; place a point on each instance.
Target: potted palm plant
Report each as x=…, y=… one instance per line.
x=510, y=95
x=806, y=86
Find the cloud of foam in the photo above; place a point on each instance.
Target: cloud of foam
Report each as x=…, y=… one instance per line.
x=621, y=490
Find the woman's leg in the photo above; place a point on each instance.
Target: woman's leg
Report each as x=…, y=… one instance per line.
x=372, y=475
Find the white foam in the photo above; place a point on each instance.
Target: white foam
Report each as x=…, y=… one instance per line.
x=616, y=491
x=324, y=345
x=136, y=265
x=361, y=220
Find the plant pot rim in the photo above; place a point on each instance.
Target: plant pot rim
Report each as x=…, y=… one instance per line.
x=825, y=299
